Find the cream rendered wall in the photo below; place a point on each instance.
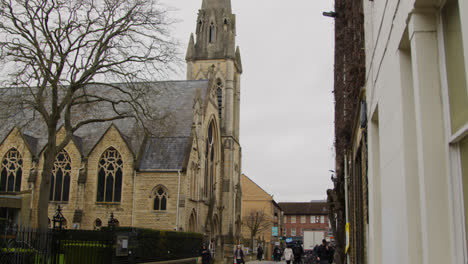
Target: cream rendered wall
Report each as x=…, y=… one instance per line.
x=410, y=216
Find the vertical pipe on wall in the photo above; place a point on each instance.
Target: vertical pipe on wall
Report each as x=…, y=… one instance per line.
x=133, y=201
x=178, y=200
x=346, y=199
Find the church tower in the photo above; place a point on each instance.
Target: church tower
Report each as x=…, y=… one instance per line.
x=212, y=54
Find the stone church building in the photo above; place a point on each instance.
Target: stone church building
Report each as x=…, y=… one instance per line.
x=187, y=178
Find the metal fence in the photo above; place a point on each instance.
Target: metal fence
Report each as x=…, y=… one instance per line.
x=26, y=245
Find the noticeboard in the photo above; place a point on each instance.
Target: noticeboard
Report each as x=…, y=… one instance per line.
x=274, y=231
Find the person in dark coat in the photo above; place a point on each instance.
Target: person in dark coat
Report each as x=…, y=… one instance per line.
x=239, y=255
x=298, y=252
x=205, y=254
x=324, y=253
x=259, y=253
x=277, y=253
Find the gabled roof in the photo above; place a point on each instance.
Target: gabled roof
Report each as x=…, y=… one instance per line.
x=172, y=99
x=307, y=208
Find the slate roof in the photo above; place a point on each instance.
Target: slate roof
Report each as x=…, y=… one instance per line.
x=167, y=147
x=164, y=153
x=308, y=208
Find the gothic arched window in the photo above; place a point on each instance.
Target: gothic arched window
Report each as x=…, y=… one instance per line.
x=193, y=184
x=60, y=182
x=209, y=162
x=219, y=91
x=110, y=170
x=199, y=25
x=12, y=171
x=212, y=33
x=160, y=200
x=97, y=223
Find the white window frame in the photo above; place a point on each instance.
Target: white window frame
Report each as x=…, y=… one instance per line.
x=457, y=208
x=303, y=219
x=293, y=219
x=322, y=219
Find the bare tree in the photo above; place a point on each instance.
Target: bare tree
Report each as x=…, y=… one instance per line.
x=256, y=222
x=61, y=57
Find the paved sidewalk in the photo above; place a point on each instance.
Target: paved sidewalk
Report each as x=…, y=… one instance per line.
x=265, y=262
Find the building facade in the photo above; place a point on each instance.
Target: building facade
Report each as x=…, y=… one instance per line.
x=417, y=94
x=184, y=175
x=300, y=217
x=256, y=200
x=349, y=198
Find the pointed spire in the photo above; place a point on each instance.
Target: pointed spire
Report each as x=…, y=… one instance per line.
x=217, y=4
x=190, y=49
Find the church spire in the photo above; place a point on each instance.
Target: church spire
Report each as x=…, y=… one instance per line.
x=215, y=32
x=217, y=4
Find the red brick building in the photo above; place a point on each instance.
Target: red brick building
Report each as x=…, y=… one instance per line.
x=299, y=217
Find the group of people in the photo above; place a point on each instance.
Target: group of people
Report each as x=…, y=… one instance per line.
x=323, y=253
x=206, y=257
x=292, y=254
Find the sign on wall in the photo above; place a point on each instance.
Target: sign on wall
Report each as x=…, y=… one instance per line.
x=274, y=231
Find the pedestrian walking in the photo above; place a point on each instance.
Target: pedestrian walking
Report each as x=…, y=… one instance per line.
x=277, y=254
x=205, y=255
x=324, y=253
x=259, y=253
x=298, y=251
x=288, y=255
x=239, y=255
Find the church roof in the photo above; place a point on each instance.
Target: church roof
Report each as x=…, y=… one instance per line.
x=165, y=153
x=166, y=147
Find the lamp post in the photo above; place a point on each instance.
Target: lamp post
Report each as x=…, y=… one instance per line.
x=58, y=219
x=112, y=221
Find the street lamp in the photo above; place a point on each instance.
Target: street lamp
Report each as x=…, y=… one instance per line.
x=58, y=219
x=112, y=221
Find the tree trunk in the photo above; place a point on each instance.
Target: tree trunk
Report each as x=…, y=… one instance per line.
x=44, y=187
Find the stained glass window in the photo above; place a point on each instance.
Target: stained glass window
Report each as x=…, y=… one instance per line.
x=110, y=174
x=60, y=182
x=160, y=200
x=12, y=171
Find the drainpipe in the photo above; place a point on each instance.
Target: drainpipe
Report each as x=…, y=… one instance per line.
x=178, y=200
x=133, y=202
x=346, y=196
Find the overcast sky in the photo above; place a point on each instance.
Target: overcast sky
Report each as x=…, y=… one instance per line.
x=286, y=92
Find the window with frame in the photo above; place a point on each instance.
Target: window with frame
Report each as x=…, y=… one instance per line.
x=303, y=219
x=208, y=184
x=322, y=219
x=293, y=231
x=12, y=171
x=60, y=182
x=160, y=199
x=456, y=89
x=212, y=32
x=293, y=219
x=110, y=174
